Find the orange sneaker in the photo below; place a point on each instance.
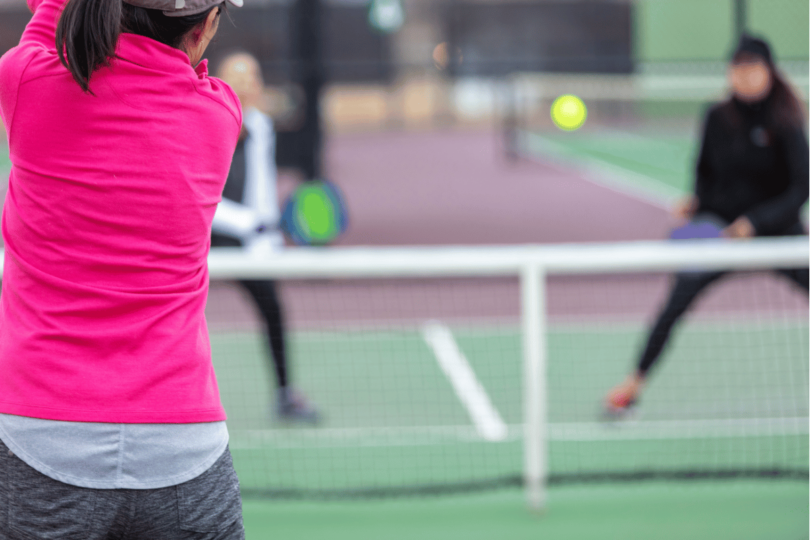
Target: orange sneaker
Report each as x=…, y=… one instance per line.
x=620, y=402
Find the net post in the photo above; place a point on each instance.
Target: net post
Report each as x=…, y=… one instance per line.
x=535, y=458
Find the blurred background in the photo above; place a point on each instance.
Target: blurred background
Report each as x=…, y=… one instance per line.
x=432, y=117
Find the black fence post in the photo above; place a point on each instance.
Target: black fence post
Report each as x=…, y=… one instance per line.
x=740, y=18
x=309, y=73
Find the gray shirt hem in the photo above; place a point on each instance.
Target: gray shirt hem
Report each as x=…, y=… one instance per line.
x=139, y=477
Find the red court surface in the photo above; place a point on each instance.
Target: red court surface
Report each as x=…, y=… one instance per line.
x=458, y=188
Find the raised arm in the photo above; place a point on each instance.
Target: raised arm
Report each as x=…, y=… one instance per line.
x=41, y=29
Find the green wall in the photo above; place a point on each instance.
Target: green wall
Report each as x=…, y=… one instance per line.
x=784, y=23
x=669, y=30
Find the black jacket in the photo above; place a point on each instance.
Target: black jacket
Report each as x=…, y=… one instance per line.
x=751, y=165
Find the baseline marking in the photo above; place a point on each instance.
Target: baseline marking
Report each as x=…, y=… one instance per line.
x=258, y=439
x=488, y=422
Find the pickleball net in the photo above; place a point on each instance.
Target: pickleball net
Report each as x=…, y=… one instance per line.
x=445, y=370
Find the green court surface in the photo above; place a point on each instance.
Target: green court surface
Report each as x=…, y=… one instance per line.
x=655, y=166
x=730, y=397
x=734, y=510
x=392, y=419
x=667, y=159
x=5, y=164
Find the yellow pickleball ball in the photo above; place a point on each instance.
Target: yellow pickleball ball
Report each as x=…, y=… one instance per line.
x=568, y=112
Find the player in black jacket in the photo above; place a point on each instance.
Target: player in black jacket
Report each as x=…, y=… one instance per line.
x=752, y=179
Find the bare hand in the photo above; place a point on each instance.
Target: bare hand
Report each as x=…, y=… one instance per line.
x=685, y=208
x=741, y=228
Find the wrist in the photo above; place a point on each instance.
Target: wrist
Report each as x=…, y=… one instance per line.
x=748, y=223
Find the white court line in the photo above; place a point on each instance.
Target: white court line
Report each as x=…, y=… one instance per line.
x=607, y=175
x=369, y=437
x=677, y=429
x=257, y=439
x=468, y=388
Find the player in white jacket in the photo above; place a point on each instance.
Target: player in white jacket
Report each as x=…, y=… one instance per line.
x=249, y=215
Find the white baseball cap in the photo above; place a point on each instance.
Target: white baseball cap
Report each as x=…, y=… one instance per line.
x=180, y=8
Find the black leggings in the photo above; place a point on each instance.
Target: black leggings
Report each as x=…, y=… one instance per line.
x=264, y=294
x=687, y=288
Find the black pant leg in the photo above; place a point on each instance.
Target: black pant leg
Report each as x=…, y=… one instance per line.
x=264, y=294
x=800, y=276
x=688, y=286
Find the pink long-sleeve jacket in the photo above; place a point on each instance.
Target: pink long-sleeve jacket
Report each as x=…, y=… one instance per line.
x=106, y=227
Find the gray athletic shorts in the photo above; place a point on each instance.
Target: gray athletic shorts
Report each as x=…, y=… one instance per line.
x=36, y=507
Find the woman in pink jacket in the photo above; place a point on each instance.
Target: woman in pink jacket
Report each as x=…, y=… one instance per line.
x=120, y=143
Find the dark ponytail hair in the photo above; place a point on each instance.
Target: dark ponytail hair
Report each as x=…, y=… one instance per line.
x=88, y=32
x=788, y=110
